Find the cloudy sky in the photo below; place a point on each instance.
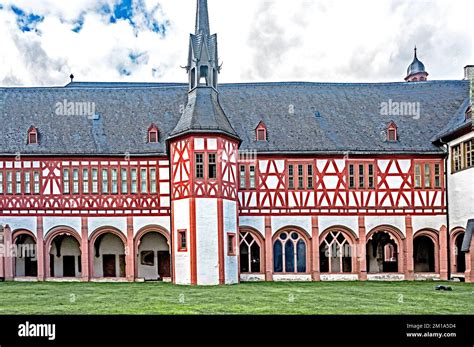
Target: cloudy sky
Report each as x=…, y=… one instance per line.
x=43, y=41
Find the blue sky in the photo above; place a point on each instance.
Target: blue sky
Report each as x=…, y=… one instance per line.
x=260, y=40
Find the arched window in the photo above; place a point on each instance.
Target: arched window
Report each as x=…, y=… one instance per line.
x=250, y=253
x=32, y=136
x=392, y=132
x=289, y=253
x=261, y=132
x=335, y=253
x=153, y=134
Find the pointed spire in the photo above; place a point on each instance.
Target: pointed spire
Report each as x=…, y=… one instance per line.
x=416, y=71
x=202, y=18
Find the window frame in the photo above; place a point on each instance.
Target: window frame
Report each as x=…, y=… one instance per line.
x=424, y=171
x=36, y=183
x=153, y=172
x=105, y=181
x=212, y=166
x=392, y=132
x=32, y=140
x=260, y=244
x=153, y=134
x=468, y=153
x=457, y=158
x=367, y=179
x=27, y=184
x=94, y=180
x=181, y=233
x=199, y=166
x=301, y=237
x=231, y=244
x=66, y=181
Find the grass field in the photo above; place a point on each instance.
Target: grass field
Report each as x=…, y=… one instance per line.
x=312, y=298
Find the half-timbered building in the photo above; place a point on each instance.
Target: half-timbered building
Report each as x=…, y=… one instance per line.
x=207, y=183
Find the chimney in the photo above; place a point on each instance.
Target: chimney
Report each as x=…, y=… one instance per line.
x=469, y=75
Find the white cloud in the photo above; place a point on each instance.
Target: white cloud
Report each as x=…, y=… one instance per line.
x=259, y=40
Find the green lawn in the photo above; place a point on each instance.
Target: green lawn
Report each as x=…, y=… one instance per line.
x=249, y=298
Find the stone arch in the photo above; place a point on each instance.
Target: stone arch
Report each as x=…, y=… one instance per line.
x=458, y=259
x=427, y=234
x=351, y=238
x=142, y=233
x=23, y=264
x=395, y=235
x=259, y=240
x=98, y=235
x=50, y=236
x=304, y=236
x=433, y=235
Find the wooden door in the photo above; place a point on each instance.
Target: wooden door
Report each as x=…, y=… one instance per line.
x=164, y=264
x=69, y=266
x=31, y=267
x=109, y=265
x=122, y=265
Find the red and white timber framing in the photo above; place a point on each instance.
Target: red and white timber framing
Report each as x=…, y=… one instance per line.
x=105, y=191
x=204, y=209
x=207, y=209
x=394, y=191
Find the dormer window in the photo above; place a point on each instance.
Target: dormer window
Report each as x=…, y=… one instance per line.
x=32, y=136
x=261, y=132
x=469, y=113
x=153, y=134
x=392, y=132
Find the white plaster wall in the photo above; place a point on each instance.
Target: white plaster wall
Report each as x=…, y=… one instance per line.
x=140, y=222
x=111, y=244
x=461, y=191
x=181, y=259
x=206, y=242
x=351, y=222
x=117, y=222
x=69, y=247
x=151, y=242
x=230, y=226
x=256, y=222
x=375, y=221
x=428, y=222
x=50, y=223
x=279, y=222
x=15, y=223
x=20, y=261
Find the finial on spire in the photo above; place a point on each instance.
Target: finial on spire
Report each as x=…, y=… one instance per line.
x=202, y=18
x=415, y=51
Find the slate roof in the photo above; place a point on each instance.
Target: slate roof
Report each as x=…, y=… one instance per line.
x=203, y=113
x=456, y=123
x=327, y=117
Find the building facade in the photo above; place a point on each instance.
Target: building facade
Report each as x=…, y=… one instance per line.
x=205, y=183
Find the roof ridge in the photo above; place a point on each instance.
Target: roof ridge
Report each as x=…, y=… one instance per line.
x=142, y=85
